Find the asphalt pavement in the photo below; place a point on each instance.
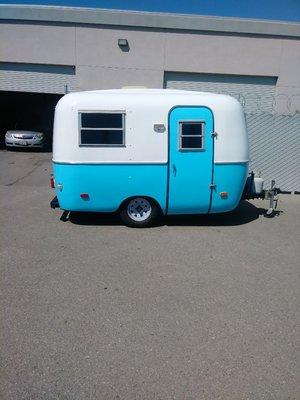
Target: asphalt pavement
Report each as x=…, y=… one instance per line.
x=197, y=308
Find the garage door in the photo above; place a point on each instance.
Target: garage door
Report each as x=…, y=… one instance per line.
x=36, y=78
x=255, y=93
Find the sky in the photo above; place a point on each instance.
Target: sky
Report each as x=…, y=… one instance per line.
x=284, y=10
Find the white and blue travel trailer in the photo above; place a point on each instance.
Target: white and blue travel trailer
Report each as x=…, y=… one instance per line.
x=146, y=152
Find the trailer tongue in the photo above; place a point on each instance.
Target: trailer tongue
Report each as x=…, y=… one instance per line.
x=254, y=190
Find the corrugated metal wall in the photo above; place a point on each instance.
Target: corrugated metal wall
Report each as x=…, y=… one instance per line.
x=36, y=78
x=275, y=148
x=274, y=139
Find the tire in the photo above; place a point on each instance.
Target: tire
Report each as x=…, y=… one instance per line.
x=140, y=212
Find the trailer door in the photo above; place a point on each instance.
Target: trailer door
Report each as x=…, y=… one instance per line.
x=190, y=160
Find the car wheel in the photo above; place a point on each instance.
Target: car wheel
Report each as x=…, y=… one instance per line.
x=140, y=212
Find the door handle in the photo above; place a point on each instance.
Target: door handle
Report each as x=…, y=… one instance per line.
x=174, y=169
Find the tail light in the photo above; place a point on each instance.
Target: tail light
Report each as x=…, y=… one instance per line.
x=52, y=183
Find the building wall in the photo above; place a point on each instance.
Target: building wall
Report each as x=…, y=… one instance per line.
x=100, y=63
x=100, y=60
x=37, y=43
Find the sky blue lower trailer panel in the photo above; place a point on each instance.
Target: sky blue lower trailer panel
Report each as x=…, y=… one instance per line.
x=230, y=178
x=108, y=186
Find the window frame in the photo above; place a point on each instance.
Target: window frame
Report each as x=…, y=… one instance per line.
x=180, y=136
x=80, y=128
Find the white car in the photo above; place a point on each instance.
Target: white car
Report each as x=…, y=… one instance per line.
x=24, y=138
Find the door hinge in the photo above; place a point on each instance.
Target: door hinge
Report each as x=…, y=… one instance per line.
x=214, y=134
x=212, y=186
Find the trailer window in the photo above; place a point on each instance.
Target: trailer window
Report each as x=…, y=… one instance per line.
x=101, y=129
x=191, y=135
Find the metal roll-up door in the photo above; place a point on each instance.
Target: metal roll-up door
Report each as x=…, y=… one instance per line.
x=256, y=93
x=36, y=78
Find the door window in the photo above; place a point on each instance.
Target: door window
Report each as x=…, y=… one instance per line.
x=191, y=135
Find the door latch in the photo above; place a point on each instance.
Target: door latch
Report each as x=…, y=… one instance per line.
x=214, y=134
x=212, y=185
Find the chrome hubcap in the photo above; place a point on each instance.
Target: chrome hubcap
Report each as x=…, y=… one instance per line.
x=139, y=209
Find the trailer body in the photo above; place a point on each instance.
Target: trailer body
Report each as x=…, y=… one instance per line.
x=186, y=151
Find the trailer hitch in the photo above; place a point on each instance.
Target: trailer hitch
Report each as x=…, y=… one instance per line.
x=253, y=190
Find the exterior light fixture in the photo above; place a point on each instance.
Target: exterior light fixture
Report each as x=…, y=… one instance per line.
x=123, y=42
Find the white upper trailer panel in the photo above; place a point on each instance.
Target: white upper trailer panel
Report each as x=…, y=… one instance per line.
x=144, y=108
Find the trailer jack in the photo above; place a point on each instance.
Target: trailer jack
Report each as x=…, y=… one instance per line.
x=270, y=194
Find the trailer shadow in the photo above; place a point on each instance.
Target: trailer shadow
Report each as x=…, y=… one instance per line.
x=245, y=213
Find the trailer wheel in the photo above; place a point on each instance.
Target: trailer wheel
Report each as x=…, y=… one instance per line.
x=139, y=212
